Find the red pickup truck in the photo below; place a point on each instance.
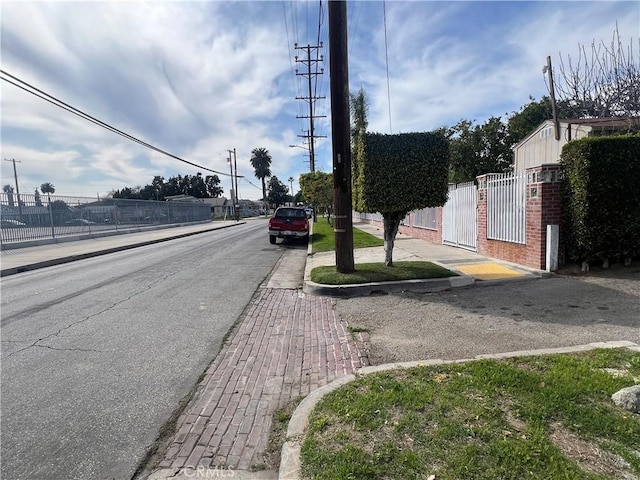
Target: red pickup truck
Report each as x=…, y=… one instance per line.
x=288, y=222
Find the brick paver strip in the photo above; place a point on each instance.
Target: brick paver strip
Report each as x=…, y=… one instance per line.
x=288, y=344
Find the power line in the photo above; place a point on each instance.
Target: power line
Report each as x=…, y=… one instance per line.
x=254, y=186
x=85, y=116
x=386, y=57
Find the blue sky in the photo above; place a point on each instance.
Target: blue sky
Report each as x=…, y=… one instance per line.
x=199, y=78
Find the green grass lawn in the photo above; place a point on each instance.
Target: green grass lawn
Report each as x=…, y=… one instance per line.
x=379, y=272
x=542, y=417
x=324, y=239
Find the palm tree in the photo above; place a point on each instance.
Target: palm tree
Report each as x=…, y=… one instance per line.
x=47, y=188
x=261, y=163
x=8, y=189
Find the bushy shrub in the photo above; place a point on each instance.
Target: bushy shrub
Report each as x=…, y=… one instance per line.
x=402, y=172
x=601, y=197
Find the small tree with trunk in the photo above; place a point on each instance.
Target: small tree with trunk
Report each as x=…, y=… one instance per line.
x=400, y=173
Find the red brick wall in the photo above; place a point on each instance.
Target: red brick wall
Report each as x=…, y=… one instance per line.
x=544, y=207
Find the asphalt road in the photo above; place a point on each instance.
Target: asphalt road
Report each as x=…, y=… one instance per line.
x=97, y=354
x=505, y=317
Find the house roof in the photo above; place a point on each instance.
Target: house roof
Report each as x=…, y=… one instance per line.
x=603, y=122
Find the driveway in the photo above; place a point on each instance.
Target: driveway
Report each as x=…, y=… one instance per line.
x=560, y=311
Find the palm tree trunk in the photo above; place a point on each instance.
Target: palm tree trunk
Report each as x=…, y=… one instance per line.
x=264, y=198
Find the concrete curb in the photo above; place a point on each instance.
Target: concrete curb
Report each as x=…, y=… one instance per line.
x=290, y=461
x=364, y=289
x=72, y=258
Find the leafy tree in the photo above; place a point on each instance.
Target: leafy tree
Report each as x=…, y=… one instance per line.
x=530, y=116
x=464, y=147
x=37, y=199
x=399, y=174
x=47, y=188
x=261, y=163
x=61, y=211
x=174, y=186
x=523, y=122
x=159, y=189
x=212, y=182
x=127, y=192
x=154, y=190
x=8, y=189
x=317, y=190
x=278, y=193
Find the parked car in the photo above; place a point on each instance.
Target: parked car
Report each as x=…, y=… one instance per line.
x=288, y=222
x=79, y=222
x=9, y=223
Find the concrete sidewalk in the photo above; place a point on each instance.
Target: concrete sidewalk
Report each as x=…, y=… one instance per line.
x=470, y=266
x=70, y=249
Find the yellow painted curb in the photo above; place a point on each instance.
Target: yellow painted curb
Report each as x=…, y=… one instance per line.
x=488, y=271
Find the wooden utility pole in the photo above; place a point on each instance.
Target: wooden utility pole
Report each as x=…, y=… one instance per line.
x=340, y=135
x=552, y=92
x=312, y=63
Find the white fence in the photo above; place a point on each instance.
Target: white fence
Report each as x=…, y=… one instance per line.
x=460, y=217
x=506, y=207
x=426, y=218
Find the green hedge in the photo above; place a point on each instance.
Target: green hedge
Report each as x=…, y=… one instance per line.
x=601, y=197
x=400, y=173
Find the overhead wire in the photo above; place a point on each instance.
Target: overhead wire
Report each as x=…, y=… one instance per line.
x=254, y=186
x=386, y=56
x=294, y=20
x=85, y=116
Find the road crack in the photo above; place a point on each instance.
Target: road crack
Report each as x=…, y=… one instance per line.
x=85, y=319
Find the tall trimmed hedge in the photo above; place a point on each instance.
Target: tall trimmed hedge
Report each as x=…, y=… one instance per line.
x=400, y=173
x=601, y=197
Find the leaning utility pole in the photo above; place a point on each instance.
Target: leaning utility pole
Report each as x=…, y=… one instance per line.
x=552, y=92
x=15, y=176
x=311, y=62
x=340, y=135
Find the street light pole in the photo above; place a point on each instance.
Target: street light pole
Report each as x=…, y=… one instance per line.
x=233, y=201
x=235, y=166
x=291, y=185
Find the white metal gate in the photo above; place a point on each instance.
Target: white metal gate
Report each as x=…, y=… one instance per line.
x=506, y=208
x=460, y=217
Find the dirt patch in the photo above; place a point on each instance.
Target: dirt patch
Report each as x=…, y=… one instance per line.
x=588, y=455
x=278, y=435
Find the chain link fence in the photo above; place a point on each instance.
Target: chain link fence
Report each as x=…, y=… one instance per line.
x=36, y=217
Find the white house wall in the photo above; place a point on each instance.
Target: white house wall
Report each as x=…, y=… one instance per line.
x=542, y=147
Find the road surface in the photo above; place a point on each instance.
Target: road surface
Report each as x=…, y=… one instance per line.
x=97, y=354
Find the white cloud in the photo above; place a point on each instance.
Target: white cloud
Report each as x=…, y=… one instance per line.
x=198, y=78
